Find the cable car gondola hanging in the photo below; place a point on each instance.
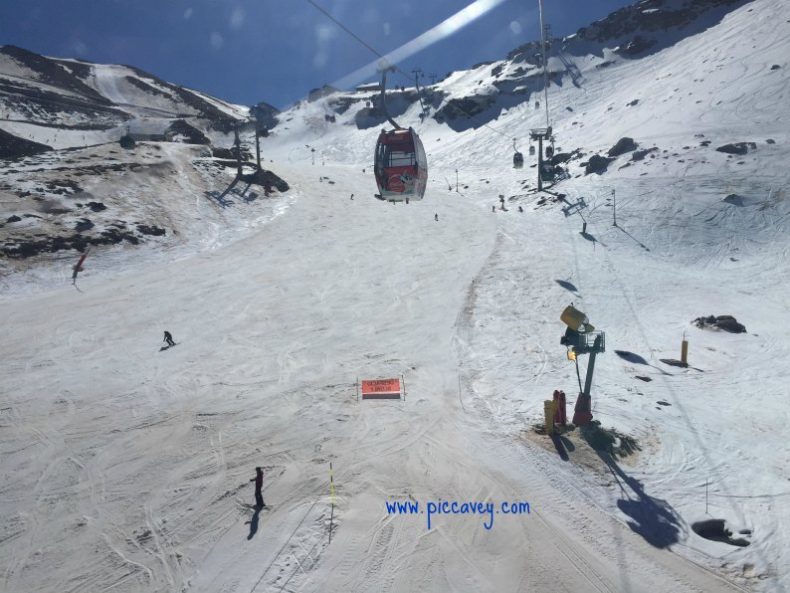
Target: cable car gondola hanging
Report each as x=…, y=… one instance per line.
x=400, y=165
x=518, y=158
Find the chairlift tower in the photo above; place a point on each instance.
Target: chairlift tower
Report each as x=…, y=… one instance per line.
x=541, y=134
x=237, y=146
x=261, y=131
x=417, y=73
x=543, y=51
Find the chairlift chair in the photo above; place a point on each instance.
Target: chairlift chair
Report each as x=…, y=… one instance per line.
x=518, y=158
x=550, y=149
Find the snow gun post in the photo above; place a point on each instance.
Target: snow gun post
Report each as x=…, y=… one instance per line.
x=684, y=350
x=580, y=338
x=548, y=413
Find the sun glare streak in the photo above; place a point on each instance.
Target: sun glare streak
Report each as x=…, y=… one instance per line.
x=447, y=27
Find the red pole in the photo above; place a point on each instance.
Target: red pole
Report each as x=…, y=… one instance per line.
x=562, y=406
x=560, y=416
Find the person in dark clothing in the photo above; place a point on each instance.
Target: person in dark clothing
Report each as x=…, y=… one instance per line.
x=258, y=479
x=520, y=209
x=436, y=217
x=169, y=339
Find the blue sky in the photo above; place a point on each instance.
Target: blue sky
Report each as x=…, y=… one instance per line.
x=247, y=51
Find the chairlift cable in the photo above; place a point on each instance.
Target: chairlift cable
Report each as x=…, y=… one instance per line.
x=394, y=67
x=346, y=29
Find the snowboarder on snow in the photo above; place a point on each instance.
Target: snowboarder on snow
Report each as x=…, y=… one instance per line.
x=169, y=339
x=436, y=217
x=258, y=479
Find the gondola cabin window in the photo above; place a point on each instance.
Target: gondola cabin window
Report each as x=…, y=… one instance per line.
x=398, y=158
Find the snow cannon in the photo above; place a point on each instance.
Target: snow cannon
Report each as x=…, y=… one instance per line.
x=581, y=339
x=576, y=320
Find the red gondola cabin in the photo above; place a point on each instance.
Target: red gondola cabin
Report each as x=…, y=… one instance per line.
x=401, y=168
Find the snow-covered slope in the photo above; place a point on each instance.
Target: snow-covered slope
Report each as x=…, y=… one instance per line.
x=128, y=468
x=69, y=103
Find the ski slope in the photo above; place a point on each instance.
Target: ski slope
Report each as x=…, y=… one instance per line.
x=127, y=468
x=142, y=456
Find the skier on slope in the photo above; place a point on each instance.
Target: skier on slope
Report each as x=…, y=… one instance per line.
x=258, y=479
x=169, y=339
x=78, y=267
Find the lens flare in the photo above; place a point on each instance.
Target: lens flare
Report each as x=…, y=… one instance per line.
x=447, y=27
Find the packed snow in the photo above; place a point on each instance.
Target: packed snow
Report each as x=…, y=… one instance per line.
x=127, y=465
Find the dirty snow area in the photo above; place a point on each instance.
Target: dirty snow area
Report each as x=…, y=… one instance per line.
x=132, y=205
x=127, y=465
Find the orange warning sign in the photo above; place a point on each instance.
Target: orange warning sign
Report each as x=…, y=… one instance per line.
x=381, y=389
x=379, y=385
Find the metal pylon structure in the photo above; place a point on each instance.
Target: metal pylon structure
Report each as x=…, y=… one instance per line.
x=541, y=134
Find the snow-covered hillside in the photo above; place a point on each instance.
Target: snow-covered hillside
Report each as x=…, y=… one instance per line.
x=70, y=103
x=128, y=468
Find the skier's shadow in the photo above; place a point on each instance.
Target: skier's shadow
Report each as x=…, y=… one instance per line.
x=254, y=523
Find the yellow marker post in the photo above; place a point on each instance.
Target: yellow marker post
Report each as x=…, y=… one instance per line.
x=684, y=351
x=332, y=500
x=548, y=411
